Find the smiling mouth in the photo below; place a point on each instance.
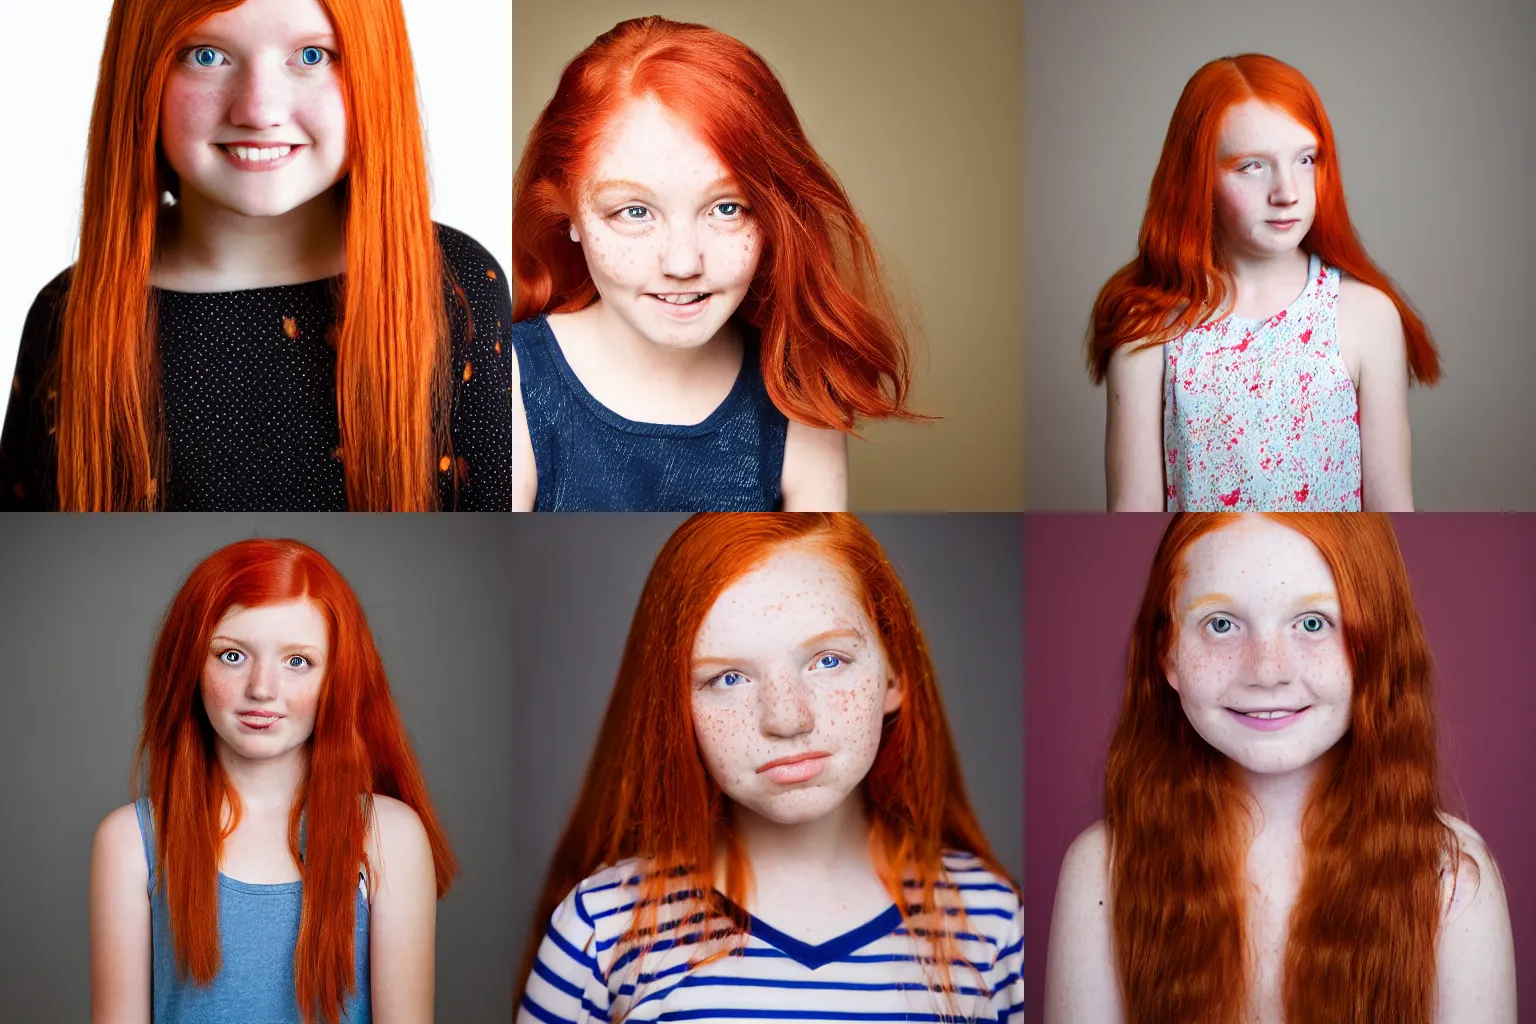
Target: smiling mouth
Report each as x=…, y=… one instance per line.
x=1265, y=715
x=680, y=298
x=258, y=154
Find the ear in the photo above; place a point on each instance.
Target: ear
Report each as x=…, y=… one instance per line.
x=894, y=691
x=574, y=236
x=1171, y=674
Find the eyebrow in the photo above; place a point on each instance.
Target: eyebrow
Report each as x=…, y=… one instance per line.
x=1264, y=155
x=203, y=37
x=808, y=642
x=624, y=184
x=246, y=643
x=1320, y=597
x=1210, y=599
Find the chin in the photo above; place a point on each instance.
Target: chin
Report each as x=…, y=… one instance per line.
x=796, y=808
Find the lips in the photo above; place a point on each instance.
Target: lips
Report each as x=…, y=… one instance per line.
x=1268, y=719
x=259, y=156
x=796, y=767
x=258, y=720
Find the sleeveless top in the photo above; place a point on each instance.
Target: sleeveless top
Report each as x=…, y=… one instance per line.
x=1261, y=414
x=590, y=459
x=258, y=930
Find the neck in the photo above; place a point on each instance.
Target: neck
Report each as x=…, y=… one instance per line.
x=1282, y=797
x=266, y=786
x=1258, y=274
x=208, y=247
x=830, y=845
x=633, y=354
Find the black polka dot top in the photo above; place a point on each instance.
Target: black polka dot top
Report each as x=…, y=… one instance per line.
x=248, y=383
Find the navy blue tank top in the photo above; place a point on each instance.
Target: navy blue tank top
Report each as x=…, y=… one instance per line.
x=590, y=459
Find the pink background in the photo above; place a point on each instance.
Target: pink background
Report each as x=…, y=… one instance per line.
x=1474, y=579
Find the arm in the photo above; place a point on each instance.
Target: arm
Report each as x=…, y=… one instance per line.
x=1133, y=434
x=1476, y=960
x=402, y=915
x=1006, y=979
x=120, y=934
x=1371, y=340
x=1081, y=982
x=525, y=477
x=566, y=985
x=815, y=475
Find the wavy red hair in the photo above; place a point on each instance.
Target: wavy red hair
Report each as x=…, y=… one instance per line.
x=1363, y=929
x=1178, y=279
x=832, y=348
x=359, y=747
x=391, y=336
x=674, y=816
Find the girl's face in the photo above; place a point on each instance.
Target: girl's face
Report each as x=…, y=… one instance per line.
x=252, y=118
x=262, y=675
x=1259, y=660
x=667, y=235
x=790, y=688
x=1266, y=186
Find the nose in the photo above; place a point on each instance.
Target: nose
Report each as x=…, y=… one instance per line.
x=1284, y=192
x=682, y=259
x=786, y=707
x=1272, y=661
x=261, y=97
x=261, y=682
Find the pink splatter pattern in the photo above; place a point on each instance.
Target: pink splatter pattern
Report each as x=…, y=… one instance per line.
x=1260, y=415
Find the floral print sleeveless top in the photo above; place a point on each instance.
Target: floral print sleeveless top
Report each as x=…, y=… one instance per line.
x=1260, y=415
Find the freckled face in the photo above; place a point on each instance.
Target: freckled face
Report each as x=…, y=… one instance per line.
x=252, y=118
x=666, y=232
x=1266, y=180
x=790, y=687
x=1259, y=661
x=262, y=675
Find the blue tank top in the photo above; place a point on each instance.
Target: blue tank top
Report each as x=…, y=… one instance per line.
x=590, y=459
x=258, y=930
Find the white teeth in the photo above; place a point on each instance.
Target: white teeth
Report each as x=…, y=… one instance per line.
x=1266, y=714
x=682, y=300
x=257, y=154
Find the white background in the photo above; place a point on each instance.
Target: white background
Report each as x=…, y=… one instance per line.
x=49, y=56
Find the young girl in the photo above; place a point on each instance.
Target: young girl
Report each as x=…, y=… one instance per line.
x=285, y=863
x=773, y=823
x=263, y=315
x=1256, y=357
x=1274, y=846
x=701, y=319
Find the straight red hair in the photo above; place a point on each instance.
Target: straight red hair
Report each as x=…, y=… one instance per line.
x=1178, y=279
x=1364, y=926
x=391, y=334
x=832, y=349
x=647, y=793
x=359, y=747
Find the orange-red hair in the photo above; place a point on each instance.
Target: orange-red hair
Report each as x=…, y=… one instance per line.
x=832, y=348
x=648, y=794
x=391, y=334
x=1363, y=929
x=359, y=747
x=1178, y=279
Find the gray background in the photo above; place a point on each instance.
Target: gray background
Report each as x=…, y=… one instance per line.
x=1431, y=107
x=80, y=601
x=580, y=576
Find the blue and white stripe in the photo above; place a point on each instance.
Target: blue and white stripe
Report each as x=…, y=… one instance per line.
x=871, y=973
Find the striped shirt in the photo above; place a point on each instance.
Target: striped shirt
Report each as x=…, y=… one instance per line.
x=871, y=973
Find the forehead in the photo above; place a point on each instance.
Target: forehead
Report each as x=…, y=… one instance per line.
x=648, y=144
x=795, y=592
x=1254, y=126
x=261, y=20
x=1253, y=559
x=299, y=621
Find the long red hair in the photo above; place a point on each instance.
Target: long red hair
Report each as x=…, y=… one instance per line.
x=648, y=794
x=391, y=335
x=1178, y=279
x=359, y=747
x=1363, y=929
x=832, y=348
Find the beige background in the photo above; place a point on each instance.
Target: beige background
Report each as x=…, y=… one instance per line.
x=1431, y=104
x=920, y=111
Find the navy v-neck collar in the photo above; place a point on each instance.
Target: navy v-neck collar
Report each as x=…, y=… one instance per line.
x=812, y=957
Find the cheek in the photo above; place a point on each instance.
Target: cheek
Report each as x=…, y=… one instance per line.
x=724, y=734
x=188, y=113
x=1237, y=201
x=620, y=259
x=1206, y=671
x=322, y=113
x=222, y=687
x=854, y=715
x=732, y=256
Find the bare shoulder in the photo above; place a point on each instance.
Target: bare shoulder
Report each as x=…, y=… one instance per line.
x=1469, y=871
x=118, y=848
x=1134, y=364
x=815, y=473
x=396, y=821
x=1085, y=867
x=1367, y=317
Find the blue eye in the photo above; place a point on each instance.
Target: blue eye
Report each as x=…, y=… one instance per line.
x=1220, y=625
x=633, y=213
x=312, y=56
x=303, y=662
x=231, y=657
x=828, y=661
x=1313, y=624
x=727, y=680
x=206, y=57
x=731, y=210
